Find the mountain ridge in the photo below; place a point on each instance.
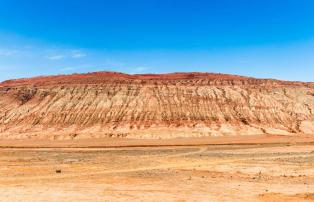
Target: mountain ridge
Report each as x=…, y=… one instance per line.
x=93, y=76
x=113, y=104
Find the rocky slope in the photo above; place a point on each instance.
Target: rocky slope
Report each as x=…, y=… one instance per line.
x=108, y=104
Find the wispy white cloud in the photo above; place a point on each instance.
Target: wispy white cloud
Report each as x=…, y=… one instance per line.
x=77, y=54
x=66, y=69
x=55, y=57
x=8, y=52
x=66, y=54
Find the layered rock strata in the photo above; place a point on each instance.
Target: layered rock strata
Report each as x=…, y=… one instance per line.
x=109, y=104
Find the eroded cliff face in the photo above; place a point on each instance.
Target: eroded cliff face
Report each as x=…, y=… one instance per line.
x=110, y=104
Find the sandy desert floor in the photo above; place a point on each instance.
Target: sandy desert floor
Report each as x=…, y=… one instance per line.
x=261, y=172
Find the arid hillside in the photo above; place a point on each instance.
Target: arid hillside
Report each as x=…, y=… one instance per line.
x=108, y=104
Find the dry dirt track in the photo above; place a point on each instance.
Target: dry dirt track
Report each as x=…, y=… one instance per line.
x=266, y=172
x=126, y=142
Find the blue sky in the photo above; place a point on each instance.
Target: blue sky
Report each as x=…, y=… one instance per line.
x=260, y=38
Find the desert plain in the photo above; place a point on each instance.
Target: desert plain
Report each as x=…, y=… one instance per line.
x=218, y=170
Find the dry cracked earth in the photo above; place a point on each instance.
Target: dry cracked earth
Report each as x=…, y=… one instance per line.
x=260, y=172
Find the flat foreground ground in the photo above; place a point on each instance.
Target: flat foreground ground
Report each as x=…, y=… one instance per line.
x=259, y=172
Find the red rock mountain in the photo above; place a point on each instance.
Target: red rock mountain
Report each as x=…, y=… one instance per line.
x=109, y=104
